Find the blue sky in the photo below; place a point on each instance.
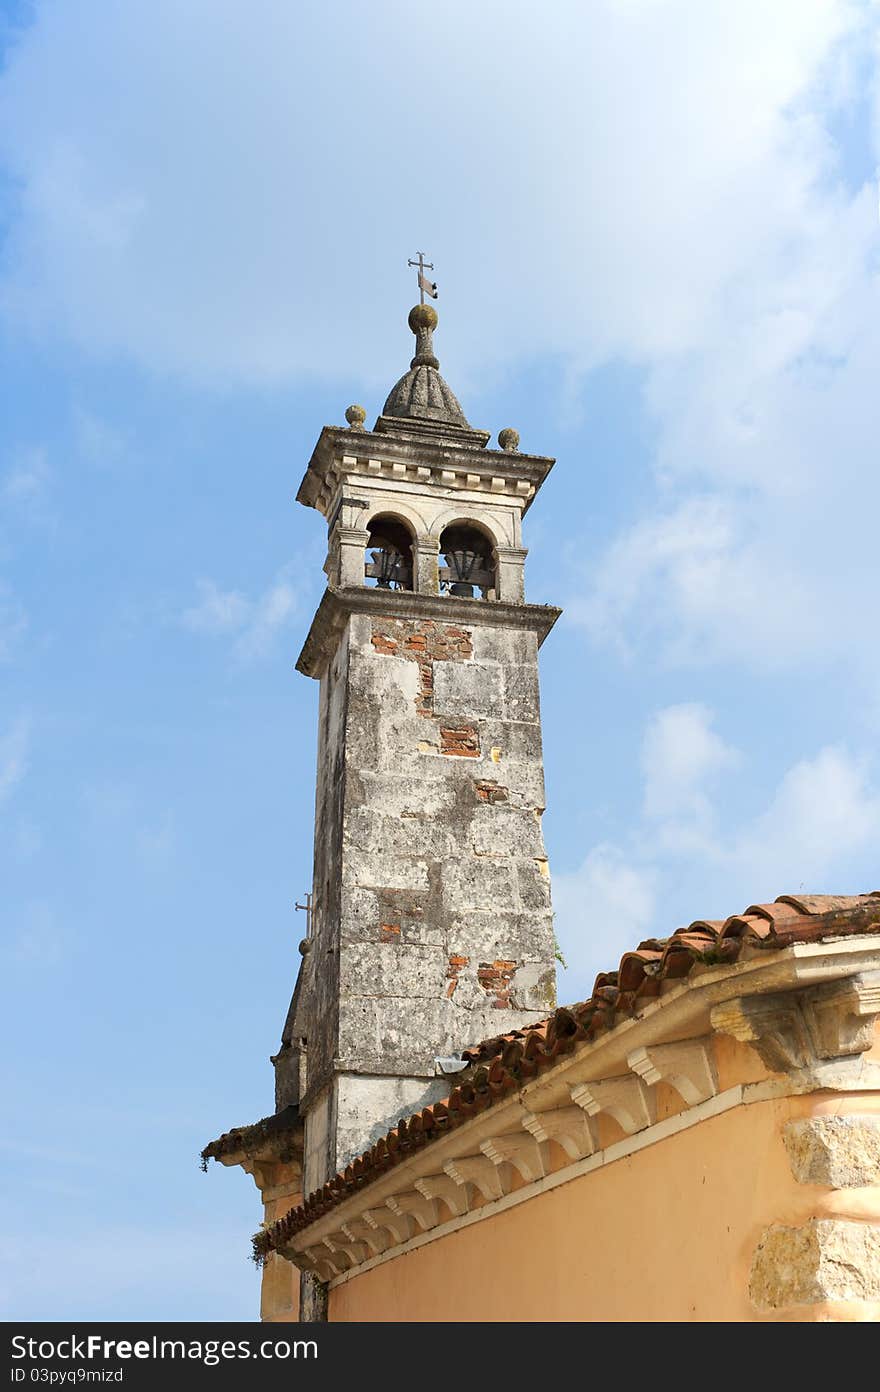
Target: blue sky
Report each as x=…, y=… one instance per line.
x=655, y=230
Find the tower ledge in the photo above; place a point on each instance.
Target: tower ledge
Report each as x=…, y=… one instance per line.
x=338, y=603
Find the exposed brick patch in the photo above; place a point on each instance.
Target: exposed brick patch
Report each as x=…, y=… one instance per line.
x=425, y=698
x=488, y=790
x=455, y=965
x=463, y=740
x=425, y=642
x=389, y=932
x=495, y=979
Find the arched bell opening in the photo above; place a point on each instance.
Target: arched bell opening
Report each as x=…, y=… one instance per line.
x=388, y=561
x=468, y=554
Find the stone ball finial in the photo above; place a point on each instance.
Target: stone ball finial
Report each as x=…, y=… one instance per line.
x=356, y=415
x=508, y=439
x=422, y=316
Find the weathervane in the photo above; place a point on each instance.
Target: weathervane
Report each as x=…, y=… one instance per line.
x=426, y=286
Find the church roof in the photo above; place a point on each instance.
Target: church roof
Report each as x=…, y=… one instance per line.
x=502, y=1065
x=423, y=394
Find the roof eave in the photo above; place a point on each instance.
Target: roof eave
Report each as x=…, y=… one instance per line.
x=683, y=1012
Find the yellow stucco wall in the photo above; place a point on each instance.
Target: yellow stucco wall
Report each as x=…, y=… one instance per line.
x=667, y=1233
x=279, y=1293
x=279, y=1289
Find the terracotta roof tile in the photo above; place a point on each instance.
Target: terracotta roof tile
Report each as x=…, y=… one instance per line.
x=819, y=903
x=503, y=1063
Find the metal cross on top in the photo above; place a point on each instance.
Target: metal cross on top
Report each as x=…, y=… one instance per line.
x=426, y=286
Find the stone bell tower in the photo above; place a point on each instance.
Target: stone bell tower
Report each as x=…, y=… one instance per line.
x=431, y=926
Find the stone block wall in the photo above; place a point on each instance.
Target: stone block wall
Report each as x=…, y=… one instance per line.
x=433, y=925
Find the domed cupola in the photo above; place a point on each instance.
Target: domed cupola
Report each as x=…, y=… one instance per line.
x=422, y=402
x=422, y=393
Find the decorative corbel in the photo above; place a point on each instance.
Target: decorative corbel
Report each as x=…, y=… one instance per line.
x=321, y=1263
x=794, y=1030
x=569, y=1127
x=522, y=1152
x=397, y=1224
x=275, y=1178
x=413, y=1203
x=341, y=1242
x=840, y=1015
x=772, y=1024
x=441, y=1186
x=687, y=1066
x=626, y=1099
x=300, y=1259
x=359, y=1231
x=478, y=1170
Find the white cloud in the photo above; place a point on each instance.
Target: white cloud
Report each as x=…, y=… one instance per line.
x=199, y=229
x=681, y=754
x=14, y=745
x=757, y=545
x=697, y=581
x=685, y=858
x=218, y=611
x=254, y=622
x=602, y=908
x=681, y=201
x=824, y=815
x=269, y=614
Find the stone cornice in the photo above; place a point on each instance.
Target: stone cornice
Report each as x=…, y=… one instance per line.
x=340, y=451
x=338, y=604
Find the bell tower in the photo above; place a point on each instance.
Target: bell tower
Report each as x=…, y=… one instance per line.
x=431, y=925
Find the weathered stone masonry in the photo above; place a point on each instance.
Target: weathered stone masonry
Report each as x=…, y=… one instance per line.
x=432, y=923
x=424, y=643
